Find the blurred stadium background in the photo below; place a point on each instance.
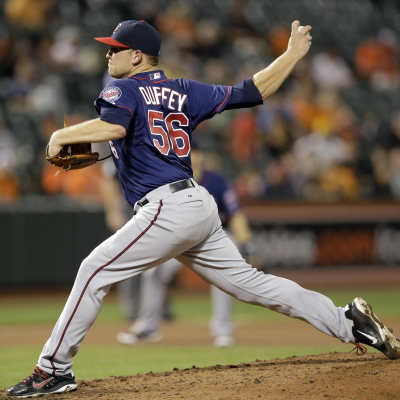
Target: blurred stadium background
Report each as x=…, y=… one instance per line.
x=317, y=167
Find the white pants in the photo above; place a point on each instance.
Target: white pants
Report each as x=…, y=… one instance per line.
x=184, y=225
x=153, y=292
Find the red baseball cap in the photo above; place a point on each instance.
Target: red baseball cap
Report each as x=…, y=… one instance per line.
x=138, y=35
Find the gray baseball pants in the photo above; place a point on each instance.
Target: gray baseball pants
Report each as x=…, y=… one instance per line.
x=129, y=296
x=182, y=225
x=153, y=293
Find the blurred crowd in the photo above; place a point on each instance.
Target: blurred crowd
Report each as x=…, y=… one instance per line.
x=331, y=133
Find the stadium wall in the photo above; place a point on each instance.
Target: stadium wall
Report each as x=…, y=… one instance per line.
x=46, y=248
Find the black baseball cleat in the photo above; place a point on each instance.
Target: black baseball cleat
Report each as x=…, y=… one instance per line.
x=369, y=330
x=40, y=383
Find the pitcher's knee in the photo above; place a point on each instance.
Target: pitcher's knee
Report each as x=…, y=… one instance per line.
x=247, y=297
x=87, y=267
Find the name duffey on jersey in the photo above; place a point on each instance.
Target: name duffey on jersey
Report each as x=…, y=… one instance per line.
x=159, y=115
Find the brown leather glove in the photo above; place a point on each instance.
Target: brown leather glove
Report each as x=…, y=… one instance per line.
x=74, y=156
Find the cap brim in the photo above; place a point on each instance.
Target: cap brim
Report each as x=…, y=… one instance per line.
x=110, y=41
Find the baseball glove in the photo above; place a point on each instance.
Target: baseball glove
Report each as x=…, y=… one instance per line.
x=73, y=156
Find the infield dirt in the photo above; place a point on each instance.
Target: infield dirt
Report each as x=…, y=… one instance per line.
x=329, y=376
x=338, y=376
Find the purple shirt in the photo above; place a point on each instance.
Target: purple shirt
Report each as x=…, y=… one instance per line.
x=223, y=194
x=159, y=115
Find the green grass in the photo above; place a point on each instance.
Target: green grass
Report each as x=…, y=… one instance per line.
x=115, y=360
x=386, y=303
x=95, y=361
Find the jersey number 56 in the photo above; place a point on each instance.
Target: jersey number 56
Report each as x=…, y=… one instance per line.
x=176, y=138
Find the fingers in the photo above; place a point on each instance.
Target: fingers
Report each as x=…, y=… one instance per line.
x=303, y=29
x=53, y=150
x=306, y=30
x=300, y=39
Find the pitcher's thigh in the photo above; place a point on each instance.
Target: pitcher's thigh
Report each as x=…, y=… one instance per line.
x=218, y=261
x=141, y=244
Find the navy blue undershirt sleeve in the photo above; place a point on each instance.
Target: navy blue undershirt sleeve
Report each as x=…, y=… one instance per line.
x=244, y=95
x=113, y=114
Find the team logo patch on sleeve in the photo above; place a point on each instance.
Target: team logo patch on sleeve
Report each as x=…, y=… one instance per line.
x=111, y=94
x=157, y=75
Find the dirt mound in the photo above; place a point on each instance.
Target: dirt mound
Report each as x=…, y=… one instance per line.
x=328, y=376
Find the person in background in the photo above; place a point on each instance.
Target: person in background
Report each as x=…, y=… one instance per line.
x=155, y=282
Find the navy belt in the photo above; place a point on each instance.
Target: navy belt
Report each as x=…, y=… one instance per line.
x=174, y=187
x=181, y=185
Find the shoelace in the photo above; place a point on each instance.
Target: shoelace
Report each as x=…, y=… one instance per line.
x=359, y=348
x=36, y=371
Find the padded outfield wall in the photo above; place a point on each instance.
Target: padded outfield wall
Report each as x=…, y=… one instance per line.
x=45, y=246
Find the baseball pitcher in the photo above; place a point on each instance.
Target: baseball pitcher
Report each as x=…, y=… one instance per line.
x=148, y=120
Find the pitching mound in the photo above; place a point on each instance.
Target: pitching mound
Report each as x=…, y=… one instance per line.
x=329, y=376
